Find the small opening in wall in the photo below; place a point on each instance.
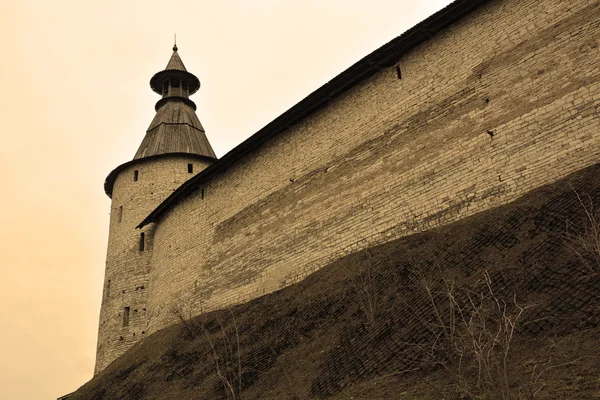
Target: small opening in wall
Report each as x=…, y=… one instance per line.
x=190, y=168
x=398, y=72
x=120, y=214
x=136, y=175
x=142, y=241
x=108, y=288
x=126, y=316
x=202, y=193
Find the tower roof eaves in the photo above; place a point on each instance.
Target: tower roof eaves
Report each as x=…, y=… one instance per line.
x=175, y=69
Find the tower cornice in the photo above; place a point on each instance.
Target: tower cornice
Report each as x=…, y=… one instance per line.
x=158, y=80
x=109, y=182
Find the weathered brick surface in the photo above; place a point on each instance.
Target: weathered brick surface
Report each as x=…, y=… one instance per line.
x=503, y=102
x=126, y=278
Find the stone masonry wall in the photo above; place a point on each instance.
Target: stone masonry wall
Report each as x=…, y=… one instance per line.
x=504, y=101
x=126, y=277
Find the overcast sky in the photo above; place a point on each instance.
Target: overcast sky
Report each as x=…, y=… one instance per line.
x=76, y=103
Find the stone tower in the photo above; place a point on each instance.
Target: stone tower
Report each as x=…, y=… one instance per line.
x=173, y=150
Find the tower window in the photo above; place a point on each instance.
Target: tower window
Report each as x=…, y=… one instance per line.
x=191, y=168
x=142, y=241
x=107, y=289
x=120, y=214
x=398, y=72
x=136, y=175
x=126, y=316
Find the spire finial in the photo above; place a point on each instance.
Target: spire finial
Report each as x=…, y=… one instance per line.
x=175, y=43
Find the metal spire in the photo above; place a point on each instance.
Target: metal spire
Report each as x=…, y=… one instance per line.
x=175, y=43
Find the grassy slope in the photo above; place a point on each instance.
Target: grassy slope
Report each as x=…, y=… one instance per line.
x=314, y=340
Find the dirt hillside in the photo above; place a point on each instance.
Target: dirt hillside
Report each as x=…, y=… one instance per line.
x=504, y=303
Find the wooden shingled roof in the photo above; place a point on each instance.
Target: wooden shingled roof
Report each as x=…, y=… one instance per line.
x=175, y=129
x=175, y=62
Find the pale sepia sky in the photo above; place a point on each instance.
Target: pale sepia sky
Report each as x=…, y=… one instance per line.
x=76, y=103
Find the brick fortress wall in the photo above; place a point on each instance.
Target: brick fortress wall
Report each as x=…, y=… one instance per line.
x=123, y=314
x=502, y=102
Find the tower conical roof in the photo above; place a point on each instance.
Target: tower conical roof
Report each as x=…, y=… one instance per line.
x=175, y=62
x=175, y=127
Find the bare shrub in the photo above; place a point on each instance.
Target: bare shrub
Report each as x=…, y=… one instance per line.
x=191, y=325
x=288, y=380
x=584, y=240
x=535, y=384
x=224, y=349
x=227, y=358
x=361, y=274
x=471, y=333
